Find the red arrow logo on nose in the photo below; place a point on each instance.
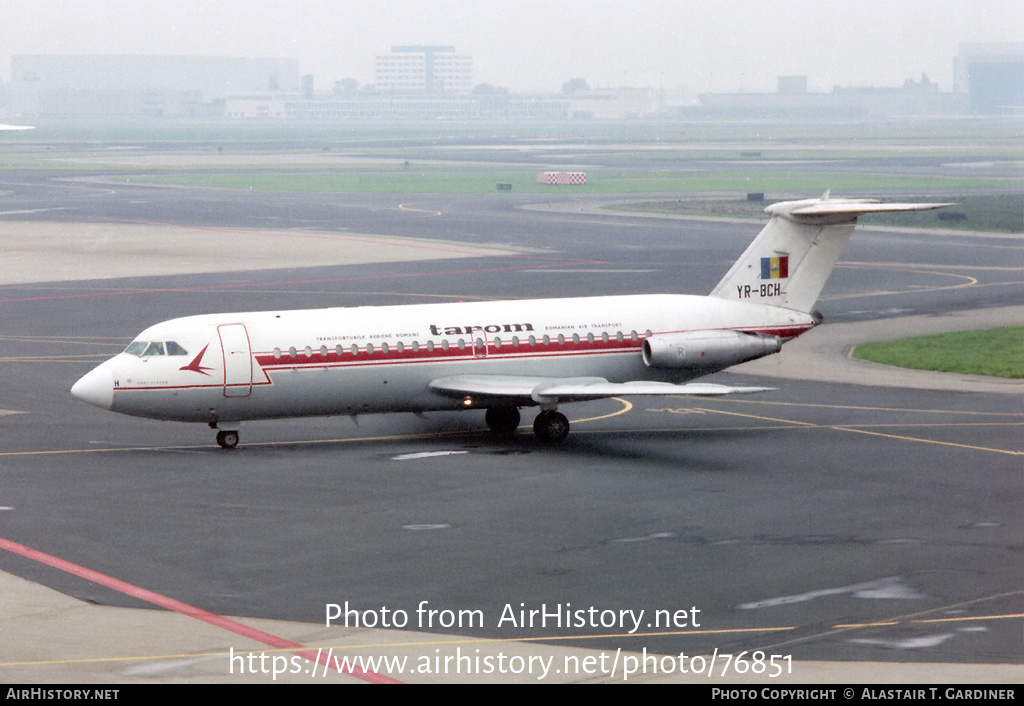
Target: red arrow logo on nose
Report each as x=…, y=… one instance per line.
x=195, y=366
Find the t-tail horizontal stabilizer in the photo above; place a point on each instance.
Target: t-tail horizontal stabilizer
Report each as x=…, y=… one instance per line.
x=789, y=262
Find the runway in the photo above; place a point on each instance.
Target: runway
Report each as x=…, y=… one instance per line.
x=824, y=521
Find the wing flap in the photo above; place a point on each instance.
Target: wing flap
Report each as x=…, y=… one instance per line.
x=543, y=390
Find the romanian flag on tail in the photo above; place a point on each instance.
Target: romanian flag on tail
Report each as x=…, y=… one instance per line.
x=775, y=267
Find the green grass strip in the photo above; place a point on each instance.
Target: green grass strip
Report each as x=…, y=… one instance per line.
x=998, y=352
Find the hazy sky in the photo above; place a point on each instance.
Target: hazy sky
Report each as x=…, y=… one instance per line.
x=538, y=44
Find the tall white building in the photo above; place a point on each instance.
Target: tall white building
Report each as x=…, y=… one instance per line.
x=424, y=69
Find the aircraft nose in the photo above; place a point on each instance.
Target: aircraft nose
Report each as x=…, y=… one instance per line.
x=96, y=387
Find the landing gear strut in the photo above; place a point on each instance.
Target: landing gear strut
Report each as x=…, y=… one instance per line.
x=227, y=438
x=502, y=420
x=551, y=426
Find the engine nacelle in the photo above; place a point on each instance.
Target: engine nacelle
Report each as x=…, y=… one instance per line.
x=706, y=350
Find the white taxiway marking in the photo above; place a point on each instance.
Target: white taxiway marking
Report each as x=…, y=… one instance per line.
x=648, y=538
x=890, y=588
x=29, y=211
x=426, y=454
x=164, y=668
x=910, y=643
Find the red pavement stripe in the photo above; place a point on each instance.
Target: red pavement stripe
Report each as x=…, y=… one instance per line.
x=184, y=609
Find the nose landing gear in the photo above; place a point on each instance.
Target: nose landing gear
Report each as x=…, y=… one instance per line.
x=227, y=438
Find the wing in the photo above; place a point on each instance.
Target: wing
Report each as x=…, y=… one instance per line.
x=521, y=391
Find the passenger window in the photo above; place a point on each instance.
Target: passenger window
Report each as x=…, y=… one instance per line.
x=155, y=348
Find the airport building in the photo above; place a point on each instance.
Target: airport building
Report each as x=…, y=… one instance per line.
x=596, y=104
x=992, y=75
x=988, y=79
x=141, y=86
x=616, y=103
x=435, y=70
x=433, y=82
x=793, y=100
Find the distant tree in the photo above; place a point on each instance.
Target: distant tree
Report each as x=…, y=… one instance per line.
x=575, y=84
x=345, y=86
x=486, y=89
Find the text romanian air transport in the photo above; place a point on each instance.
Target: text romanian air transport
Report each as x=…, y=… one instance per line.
x=223, y=369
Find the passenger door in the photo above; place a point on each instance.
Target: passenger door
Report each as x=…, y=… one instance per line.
x=234, y=342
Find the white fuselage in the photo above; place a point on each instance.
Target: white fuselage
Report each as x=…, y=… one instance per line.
x=262, y=365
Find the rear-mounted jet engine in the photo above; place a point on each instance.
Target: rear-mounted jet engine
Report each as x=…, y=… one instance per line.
x=706, y=351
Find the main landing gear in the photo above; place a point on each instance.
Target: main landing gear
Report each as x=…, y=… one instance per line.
x=502, y=420
x=549, y=426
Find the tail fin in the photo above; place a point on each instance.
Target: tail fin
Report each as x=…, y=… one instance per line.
x=789, y=262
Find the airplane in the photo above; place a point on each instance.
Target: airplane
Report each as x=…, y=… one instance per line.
x=223, y=369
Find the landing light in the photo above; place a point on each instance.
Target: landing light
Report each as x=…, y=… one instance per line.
x=467, y=401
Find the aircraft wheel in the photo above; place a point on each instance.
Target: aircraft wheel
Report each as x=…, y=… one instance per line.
x=227, y=439
x=502, y=420
x=551, y=426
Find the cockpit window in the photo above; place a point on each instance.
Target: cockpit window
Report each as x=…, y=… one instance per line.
x=145, y=348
